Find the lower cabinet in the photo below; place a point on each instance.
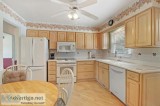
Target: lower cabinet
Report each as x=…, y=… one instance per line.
x=143, y=89
x=103, y=74
x=85, y=70
x=52, y=66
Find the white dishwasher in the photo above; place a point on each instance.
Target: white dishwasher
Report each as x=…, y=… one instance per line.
x=118, y=82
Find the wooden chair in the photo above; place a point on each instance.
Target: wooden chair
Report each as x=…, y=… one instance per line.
x=65, y=87
x=16, y=73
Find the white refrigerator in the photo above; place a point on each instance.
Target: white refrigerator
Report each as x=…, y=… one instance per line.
x=34, y=53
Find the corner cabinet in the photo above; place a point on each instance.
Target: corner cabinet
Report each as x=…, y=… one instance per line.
x=143, y=30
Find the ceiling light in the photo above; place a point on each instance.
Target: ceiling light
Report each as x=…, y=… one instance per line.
x=73, y=15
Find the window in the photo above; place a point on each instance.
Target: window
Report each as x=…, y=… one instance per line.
x=117, y=41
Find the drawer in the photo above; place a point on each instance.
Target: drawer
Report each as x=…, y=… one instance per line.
x=51, y=77
x=86, y=75
x=85, y=68
x=51, y=72
x=133, y=76
x=85, y=62
x=51, y=63
x=106, y=66
x=52, y=68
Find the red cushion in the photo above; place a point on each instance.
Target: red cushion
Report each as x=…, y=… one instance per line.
x=7, y=62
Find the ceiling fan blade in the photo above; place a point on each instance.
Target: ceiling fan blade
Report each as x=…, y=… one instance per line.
x=59, y=13
x=88, y=14
x=65, y=2
x=87, y=3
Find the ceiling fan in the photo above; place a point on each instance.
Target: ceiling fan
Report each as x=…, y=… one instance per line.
x=75, y=8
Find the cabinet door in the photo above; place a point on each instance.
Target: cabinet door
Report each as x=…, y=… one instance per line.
x=88, y=41
x=44, y=34
x=96, y=41
x=105, y=78
x=104, y=40
x=61, y=36
x=80, y=40
x=71, y=37
x=96, y=69
x=157, y=26
x=100, y=79
x=53, y=40
x=130, y=28
x=32, y=33
x=143, y=29
x=133, y=91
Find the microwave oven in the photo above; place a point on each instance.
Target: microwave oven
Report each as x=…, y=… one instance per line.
x=66, y=47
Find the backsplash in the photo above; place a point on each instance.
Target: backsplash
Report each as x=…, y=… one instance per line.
x=149, y=56
x=79, y=54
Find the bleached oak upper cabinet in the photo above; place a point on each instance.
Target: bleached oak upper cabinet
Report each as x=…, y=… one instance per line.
x=32, y=33
x=61, y=36
x=80, y=40
x=144, y=29
x=96, y=41
x=53, y=40
x=44, y=34
x=130, y=32
x=88, y=41
x=71, y=37
x=104, y=40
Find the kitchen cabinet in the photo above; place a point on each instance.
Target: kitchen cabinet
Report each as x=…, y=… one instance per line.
x=130, y=32
x=52, y=66
x=142, y=30
x=71, y=37
x=85, y=70
x=133, y=89
x=96, y=69
x=103, y=74
x=53, y=40
x=61, y=36
x=143, y=89
x=88, y=41
x=32, y=33
x=43, y=34
x=96, y=41
x=104, y=40
x=80, y=40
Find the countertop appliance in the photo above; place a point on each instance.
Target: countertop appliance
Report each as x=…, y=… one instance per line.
x=118, y=82
x=52, y=56
x=34, y=53
x=66, y=47
x=63, y=63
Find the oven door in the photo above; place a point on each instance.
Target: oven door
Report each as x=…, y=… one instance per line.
x=61, y=67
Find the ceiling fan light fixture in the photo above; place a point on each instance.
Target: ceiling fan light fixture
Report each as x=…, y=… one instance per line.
x=75, y=16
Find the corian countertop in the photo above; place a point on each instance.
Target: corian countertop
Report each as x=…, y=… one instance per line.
x=132, y=66
x=126, y=65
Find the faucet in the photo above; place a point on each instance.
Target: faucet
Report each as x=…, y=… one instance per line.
x=115, y=54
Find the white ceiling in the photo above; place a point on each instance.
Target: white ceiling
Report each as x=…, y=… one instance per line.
x=41, y=11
